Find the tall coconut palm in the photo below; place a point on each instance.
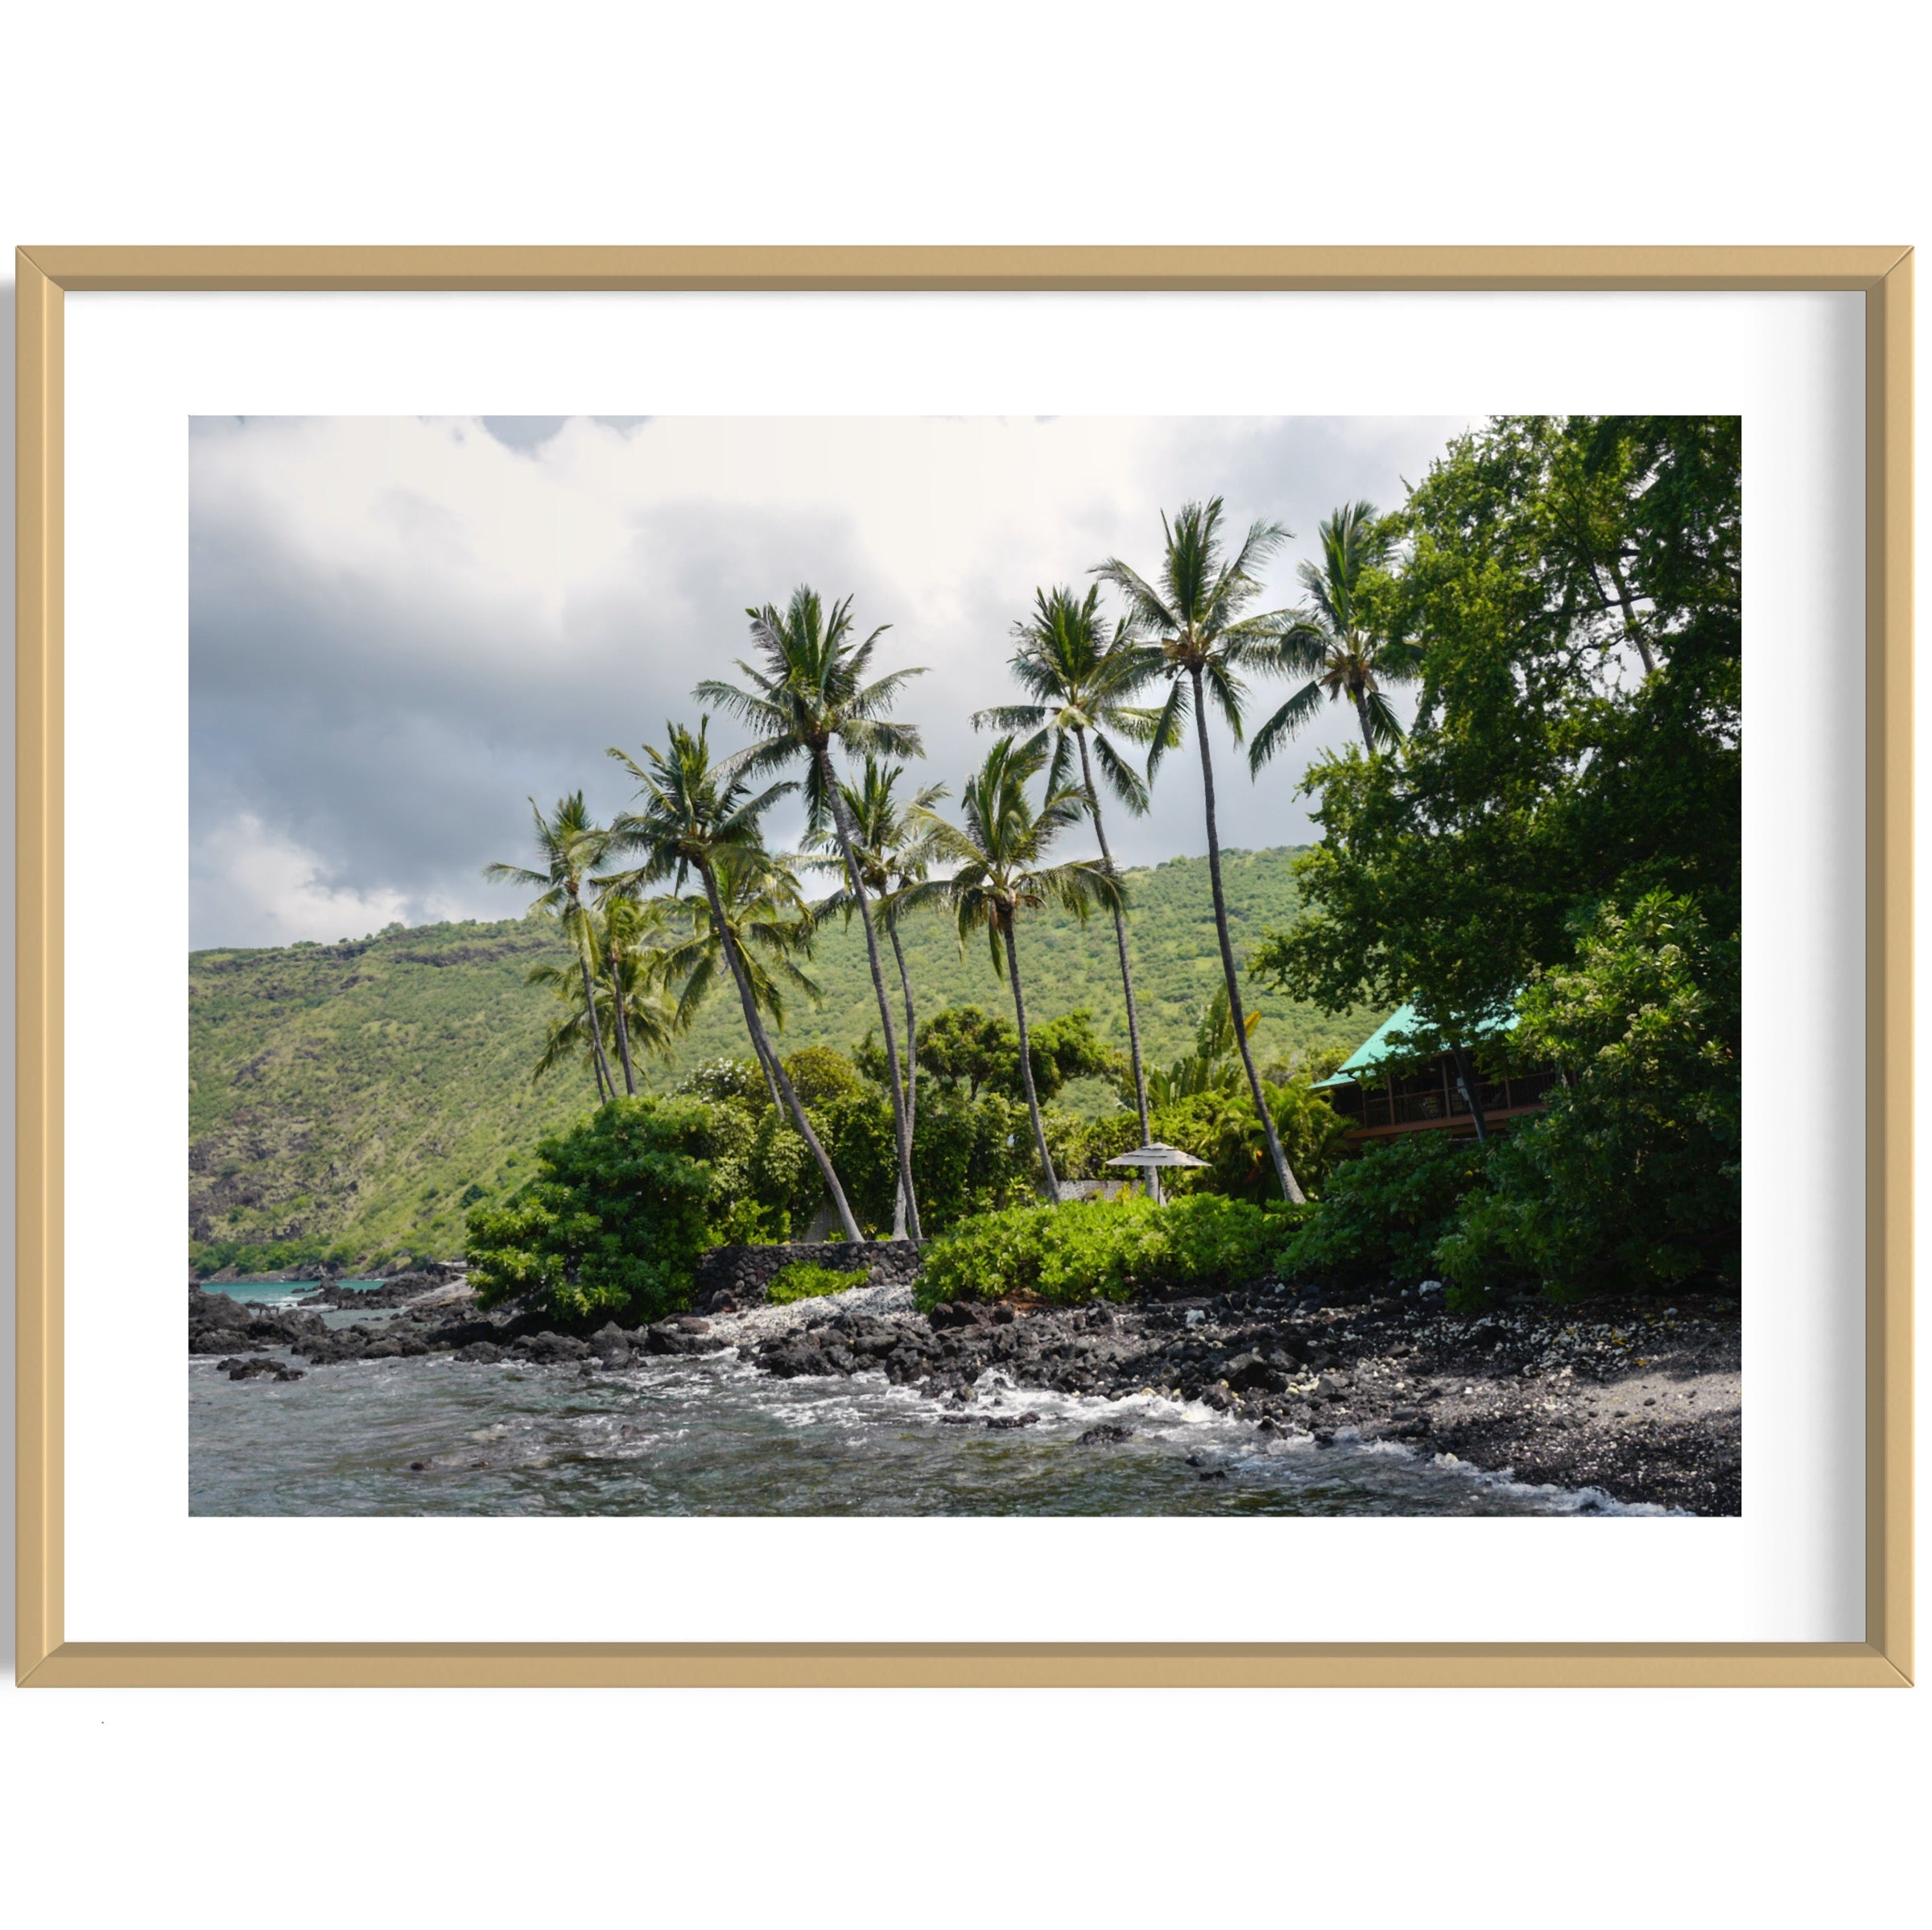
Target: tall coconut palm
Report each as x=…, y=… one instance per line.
x=1195, y=618
x=1333, y=643
x=692, y=814
x=1000, y=853
x=570, y=847
x=1080, y=673
x=894, y=844
x=812, y=690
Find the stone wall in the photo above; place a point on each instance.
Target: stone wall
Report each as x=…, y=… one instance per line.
x=742, y=1272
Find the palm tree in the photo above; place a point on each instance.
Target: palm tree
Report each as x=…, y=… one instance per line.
x=811, y=690
x=693, y=814
x=768, y=926
x=629, y=997
x=893, y=844
x=999, y=852
x=570, y=847
x=1332, y=642
x=1196, y=617
x=625, y=927
x=1080, y=675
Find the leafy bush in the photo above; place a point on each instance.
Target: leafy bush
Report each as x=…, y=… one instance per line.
x=1103, y=1249
x=821, y=1076
x=1384, y=1212
x=620, y=1208
x=717, y=1081
x=1631, y=1179
x=804, y=1280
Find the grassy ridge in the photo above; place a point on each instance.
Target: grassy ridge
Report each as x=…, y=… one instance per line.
x=366, y=1093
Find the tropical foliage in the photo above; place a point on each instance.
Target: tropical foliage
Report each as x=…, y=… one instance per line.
x=1105, y=1249
x=613, y=1218
x=1551, y=841
x=1560, y=836
x=1000, y=872
x=1193, y=610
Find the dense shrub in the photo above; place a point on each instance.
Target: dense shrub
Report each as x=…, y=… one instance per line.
x=805, y=1280
x=620, y=1208
x=1103, y=1249
x=1631, y=1179
x=1384, y=1212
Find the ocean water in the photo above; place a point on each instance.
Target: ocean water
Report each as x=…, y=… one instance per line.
x=708, y=1435
x=279, y=1293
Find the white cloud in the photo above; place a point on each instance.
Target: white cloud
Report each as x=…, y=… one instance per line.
x=401, y=627
x=275, y=892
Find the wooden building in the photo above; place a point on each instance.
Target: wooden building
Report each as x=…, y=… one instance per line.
x=1380, y=1100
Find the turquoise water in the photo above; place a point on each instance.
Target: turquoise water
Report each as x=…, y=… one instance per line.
x=708, y=1435
x=272, y=1293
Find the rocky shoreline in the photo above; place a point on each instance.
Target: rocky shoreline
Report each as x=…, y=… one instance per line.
x=1640, y=1401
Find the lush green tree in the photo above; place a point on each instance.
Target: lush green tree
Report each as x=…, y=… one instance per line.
x=964, y=1044
x=614, y=1219
x=891, y=843
x=1000, y=853
x=1547, y=769
x=1337, y=643
x=695, y=818
x=811, y=690
x=1573, y=587
x=570, y=847
x=1195, y=615
x=1081, y=674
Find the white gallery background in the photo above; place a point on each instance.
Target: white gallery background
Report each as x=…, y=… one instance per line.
x=394, y=129
x=138, y=366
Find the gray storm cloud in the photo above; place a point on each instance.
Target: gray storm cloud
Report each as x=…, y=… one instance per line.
x=399, y=629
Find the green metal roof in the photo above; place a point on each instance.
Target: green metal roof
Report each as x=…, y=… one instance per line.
x=1390, y=1040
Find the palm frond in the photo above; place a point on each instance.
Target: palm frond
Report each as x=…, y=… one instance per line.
x=1286, y=722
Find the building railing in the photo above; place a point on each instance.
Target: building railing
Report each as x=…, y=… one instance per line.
x=1436, y=1098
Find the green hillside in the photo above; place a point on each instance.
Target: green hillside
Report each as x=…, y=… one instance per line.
x=365, y=1094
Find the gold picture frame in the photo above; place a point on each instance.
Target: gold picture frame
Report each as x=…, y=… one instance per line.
x=1883, y=275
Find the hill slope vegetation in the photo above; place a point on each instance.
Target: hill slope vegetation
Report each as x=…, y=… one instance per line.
x=360, y=1096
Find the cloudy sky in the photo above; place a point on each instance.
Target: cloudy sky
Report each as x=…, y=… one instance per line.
x=400, y=629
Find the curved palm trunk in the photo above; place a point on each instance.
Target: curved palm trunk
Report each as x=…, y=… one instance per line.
x=901, y=1123
x=590, y=1002
x=774, y=1070
x=1290, y=1190
x=1120, y=939
x=617, y=1000
x=1050, y=1185
x=1361, y=717
x=912, y=1071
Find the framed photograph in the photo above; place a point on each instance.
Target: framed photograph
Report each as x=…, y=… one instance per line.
x=1072, y=966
